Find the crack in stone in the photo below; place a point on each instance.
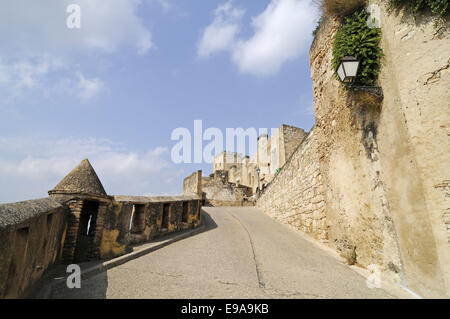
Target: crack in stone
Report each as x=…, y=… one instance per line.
x=288, y=293
x=275, y=292
x=261, y=282
x=154, y=272
x=436, y=75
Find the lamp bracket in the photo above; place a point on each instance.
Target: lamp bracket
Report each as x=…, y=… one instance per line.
x=373, y=90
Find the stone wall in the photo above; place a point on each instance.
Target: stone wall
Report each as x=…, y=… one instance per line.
x=290, y=138
x=414, y=140
x=31, y=236
x=384, y=170
x=79, y=222
x=34, y=234
x=192, y=185
x=219, y=191
x=296, y=195
x=138, y=219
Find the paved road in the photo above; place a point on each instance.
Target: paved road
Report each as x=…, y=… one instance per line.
x=242, y=254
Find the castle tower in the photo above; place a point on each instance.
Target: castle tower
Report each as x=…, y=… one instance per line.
x=87, y=201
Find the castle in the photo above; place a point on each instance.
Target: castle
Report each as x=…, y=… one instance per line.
x=80, y=222
x=371, y=182
x=237, y=179
x=371, y=179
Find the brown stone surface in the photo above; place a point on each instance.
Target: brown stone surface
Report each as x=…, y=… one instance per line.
x=372, y=181
x=79, y=223
x=192, y=185
x=82, y=179
x=31, y=233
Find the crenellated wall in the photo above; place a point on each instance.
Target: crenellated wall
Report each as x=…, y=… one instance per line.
x=137, y=219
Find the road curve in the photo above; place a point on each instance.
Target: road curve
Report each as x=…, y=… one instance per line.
x=242, y=254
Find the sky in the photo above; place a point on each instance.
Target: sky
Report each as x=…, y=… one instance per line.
x=115, y=89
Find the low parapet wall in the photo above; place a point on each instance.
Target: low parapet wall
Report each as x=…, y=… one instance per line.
x=31, y=235
x=137, y=219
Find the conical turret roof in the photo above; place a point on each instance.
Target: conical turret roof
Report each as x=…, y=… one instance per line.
x=81, y=180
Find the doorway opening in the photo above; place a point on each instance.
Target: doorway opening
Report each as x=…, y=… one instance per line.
x=86, y=231
x=184, y=216
x=165, y=216
x=138, y=219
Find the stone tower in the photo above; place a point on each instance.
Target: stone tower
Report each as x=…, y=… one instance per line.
x=83, y=193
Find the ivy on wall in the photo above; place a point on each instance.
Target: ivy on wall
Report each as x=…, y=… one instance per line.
x=355, y=38
x=436, y=6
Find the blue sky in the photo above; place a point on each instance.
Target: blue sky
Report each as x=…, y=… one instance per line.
x=115, y=89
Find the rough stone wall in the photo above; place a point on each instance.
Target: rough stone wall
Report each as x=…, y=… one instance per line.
x=384, y=171
x=290, y=138
x=31, y=236
x=296, y=195
x=225, y=160
x=358, y=218
x=137, y=219
x=219, y=191
x=414, y=130
x=192, y=185
x=33, y=233
x=116, y=230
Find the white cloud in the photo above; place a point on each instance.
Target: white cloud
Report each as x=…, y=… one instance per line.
x=38, y=28
x=89, y=88
x=166, y=5
x=36, y=42
x=221, y=33
x=281, y=33
x=29, y=167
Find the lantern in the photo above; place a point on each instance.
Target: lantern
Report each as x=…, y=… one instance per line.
x=348, y=69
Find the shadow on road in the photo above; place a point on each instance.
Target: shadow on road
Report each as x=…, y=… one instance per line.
x=208, y=221
x=97, y=285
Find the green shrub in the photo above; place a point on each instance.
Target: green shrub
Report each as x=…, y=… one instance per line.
x=356, y=39
x=436, y=6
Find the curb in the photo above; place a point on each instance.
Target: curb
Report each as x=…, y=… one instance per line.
x=47, y=290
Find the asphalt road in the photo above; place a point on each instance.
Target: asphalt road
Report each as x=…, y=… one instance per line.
x=242, y=254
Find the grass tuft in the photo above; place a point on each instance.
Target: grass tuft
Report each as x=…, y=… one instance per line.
x=340, y=8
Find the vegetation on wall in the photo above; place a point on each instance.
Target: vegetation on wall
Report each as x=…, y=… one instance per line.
x=340, y=8
x=355, y=38
x=416, y=6
x=316, y=29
